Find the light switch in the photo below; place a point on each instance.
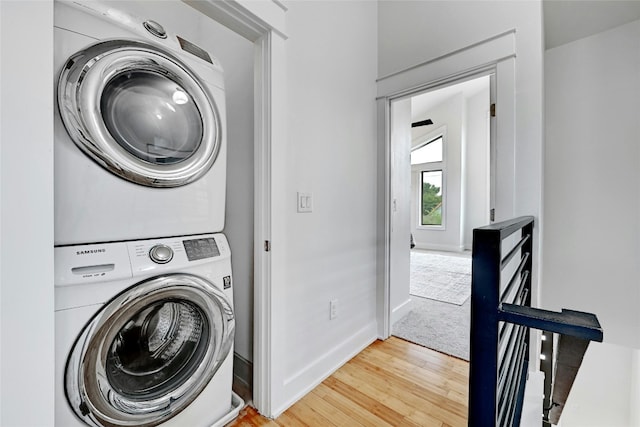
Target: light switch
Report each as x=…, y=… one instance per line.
x=305, y=202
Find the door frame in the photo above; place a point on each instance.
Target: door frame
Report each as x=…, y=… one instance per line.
x=263, y=24
x=494, y=56
x=399, y=222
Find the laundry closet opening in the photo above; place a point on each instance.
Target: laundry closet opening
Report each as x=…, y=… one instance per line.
x=235, y=55
x=441, y=191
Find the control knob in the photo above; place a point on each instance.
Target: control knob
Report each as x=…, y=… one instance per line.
x=154, y=28
x=161, y=254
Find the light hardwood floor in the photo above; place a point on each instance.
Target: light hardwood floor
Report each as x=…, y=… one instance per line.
x=391, y=383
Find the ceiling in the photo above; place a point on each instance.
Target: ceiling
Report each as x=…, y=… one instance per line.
x=564, y=21
x=569, y=20
x=422, y=104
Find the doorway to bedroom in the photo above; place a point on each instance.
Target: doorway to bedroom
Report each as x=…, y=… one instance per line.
x=448, y=188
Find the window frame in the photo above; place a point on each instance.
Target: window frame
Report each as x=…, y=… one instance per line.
x=421, y=194
x=431, y=167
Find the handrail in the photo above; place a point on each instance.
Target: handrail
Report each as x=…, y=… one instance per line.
x=568, y=322
x=501, y=317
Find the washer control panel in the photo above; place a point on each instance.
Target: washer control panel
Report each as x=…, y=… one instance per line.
x=161, y=254
x=201, y=248
x=100, y=262
x=157, y=255
x=105, y=262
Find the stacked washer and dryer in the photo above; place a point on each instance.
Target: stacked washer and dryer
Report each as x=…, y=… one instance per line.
x=143, y=292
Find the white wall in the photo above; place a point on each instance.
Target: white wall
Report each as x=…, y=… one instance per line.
x=476, y=165
x=26, y=214
x=331, y=152
x=592, y=180
x=600, y=394
x=449, y=115
x=634, y=396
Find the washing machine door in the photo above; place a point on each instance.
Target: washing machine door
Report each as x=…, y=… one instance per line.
x=149, y=352
x=139, y=112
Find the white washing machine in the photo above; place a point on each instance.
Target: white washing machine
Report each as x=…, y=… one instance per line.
x=144, y=333
x=140, y=134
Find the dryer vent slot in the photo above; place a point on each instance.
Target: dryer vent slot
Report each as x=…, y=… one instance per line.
x=93, y=269
x=193, y=49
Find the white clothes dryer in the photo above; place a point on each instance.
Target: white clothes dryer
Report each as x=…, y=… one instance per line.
x=144, y=333
x=140, y=134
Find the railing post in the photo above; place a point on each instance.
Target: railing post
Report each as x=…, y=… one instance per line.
x=485, y=272
x=527, y=230
x=527, y=272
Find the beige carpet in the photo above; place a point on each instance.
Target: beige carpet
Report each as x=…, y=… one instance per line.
x=440, y=277
x=440, y=305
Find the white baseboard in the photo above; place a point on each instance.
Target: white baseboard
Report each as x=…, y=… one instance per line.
x=302, y=382
x=436, y=247
x=400, y=311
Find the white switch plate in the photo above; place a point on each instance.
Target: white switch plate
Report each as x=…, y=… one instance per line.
x=305, y=202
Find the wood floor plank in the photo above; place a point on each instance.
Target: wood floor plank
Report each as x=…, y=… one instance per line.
x=371, y=404
x=309, y=414
x=357, y=412
x=431, y=403
x=435, y=390
x=442, y=377
x=443, y=381
x=288, y=419
x=431, y=360
x=390, y=383
x=382, y=395
x=330, y=412
x=393, y=387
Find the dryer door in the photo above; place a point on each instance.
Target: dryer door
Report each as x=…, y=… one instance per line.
x=140, y=112
x=149, y=352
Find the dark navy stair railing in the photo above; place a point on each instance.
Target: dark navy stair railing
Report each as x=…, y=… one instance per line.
x=501, y=317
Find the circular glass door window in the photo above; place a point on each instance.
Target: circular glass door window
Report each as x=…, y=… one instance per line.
x=157, y=350
x=140, y=112
x=149, y=352
x=151, y=117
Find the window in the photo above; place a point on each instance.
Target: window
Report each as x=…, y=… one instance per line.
x=427, y=160
x=431, y=198
x=427, y=153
